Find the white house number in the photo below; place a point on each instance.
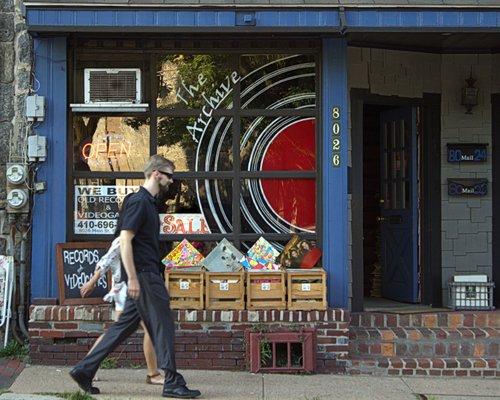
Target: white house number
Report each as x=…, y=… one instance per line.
x=336, y=136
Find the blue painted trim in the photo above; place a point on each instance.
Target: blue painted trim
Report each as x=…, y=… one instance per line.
x=423, y=19
x=300, y=19
x=335, y=214
x=49, y=213
x=105, y=18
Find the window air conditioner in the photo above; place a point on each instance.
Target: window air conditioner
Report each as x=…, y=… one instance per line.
x=112, y=86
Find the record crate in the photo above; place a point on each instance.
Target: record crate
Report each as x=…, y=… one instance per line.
x=266, y=290
x=186, y=289
x=306, y=289
x=225, y=290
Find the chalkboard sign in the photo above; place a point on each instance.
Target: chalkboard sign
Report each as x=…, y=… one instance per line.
x=467, y=152
x=76, y=263
x=470, y=187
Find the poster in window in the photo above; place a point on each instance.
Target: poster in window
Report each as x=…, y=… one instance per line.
x=96, y=208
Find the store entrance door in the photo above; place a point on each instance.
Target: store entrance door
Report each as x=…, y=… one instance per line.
x=399, y=204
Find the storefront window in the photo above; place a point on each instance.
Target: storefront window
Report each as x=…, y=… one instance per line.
x=212, y=152
x=241, y=129
x=278, y=143
x=277, y=81
x=107, y=143
x=187, y=81
x=278, y=205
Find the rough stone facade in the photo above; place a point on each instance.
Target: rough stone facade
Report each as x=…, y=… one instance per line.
x=466, y=221
x=15, y=71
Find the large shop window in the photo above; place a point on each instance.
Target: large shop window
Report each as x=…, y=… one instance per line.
x=241, y=129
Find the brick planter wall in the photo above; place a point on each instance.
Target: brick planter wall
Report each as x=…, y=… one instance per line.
x=62, y=335
x=438, y=344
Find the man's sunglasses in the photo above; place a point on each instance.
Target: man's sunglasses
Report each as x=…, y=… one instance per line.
x=167, y=174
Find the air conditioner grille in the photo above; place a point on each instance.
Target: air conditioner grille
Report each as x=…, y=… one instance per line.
x=112, y=87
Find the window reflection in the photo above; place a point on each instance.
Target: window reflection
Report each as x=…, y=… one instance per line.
x=110, y=143
x=277, y=81
x=211, y=152
x=189, y=81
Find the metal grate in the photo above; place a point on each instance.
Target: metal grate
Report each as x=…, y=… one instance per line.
x=112, y=87
x=472, y=295
x=285, y=351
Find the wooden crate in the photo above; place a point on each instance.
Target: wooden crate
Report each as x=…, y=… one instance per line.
x=306, y=289
x=186, y=289
x=266, y=290
x=225, y=290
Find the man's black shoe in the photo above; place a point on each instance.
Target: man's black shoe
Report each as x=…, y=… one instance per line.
x=83, y=381
x=181, y=392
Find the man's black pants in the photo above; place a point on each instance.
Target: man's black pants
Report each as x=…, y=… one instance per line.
x=153, y=307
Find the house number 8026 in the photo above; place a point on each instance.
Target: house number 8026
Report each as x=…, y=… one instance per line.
x=336, y=136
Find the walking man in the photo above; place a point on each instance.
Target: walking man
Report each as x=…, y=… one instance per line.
x=147, y=296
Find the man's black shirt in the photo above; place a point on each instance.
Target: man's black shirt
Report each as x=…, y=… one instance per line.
x=140, y=215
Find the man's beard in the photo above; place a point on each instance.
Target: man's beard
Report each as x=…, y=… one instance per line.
x=163, y=189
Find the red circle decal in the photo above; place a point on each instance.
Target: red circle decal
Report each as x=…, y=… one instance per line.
x=293, y=148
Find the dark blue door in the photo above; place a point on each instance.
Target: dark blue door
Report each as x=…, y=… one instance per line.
x=399, y=212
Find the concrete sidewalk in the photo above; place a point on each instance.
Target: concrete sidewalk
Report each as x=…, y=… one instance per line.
x=218, y=385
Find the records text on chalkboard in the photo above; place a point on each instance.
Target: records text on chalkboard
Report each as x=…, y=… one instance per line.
x=76, y=263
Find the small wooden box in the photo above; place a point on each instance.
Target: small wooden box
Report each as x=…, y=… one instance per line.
x=266, y=290
x=306, y=289
x=225, y=290
x=186, y=289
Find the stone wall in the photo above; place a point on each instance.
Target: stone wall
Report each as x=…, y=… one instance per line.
x=466, y=221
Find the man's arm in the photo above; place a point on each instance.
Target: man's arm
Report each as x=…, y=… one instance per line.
x=126, y=252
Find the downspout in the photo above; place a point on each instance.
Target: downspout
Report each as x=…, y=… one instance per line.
x=343, y=21
x=22, y=277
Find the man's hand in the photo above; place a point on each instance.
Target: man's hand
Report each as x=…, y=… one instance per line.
x=87, y=288
x=133, y=288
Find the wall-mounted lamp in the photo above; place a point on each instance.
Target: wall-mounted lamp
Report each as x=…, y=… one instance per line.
x=470, y=94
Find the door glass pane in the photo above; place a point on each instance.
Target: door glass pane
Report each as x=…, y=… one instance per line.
x=278, y=205
x=277, y=81
x=110, y=143
x=192, y=81
x=278, y=143
x=194, y=146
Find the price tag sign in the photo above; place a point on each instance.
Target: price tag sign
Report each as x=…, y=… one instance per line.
x=184, y=285
x=223, y=286
x=306, y=287
x=265, y=286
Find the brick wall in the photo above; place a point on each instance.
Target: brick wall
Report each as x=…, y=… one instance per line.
x=62, y=335
x=438, y=344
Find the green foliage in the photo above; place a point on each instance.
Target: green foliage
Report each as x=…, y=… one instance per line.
x=266, y=352
x=15, y=350
x=109, y=363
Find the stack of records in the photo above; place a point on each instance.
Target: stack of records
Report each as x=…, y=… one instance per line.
x=223, y=258
x=184, y=255
x=261, y=256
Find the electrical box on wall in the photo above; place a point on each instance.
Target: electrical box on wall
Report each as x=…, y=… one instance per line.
x=37, y=148
x=17, y=189
x=35, y=108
